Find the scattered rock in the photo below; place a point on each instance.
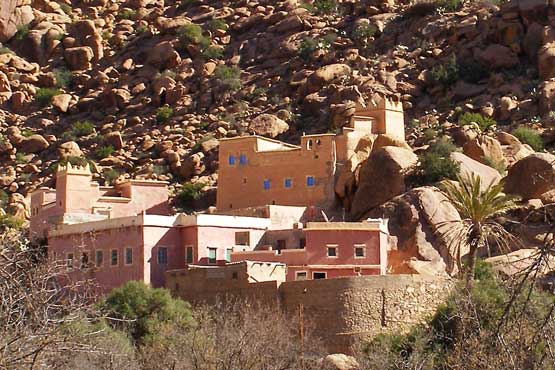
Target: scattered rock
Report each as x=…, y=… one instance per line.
x=268, y=125
x=531, y=176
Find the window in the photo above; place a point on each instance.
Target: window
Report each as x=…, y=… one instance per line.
x=128, y=256
x=319, y=275
x=357, y=270
x=162, y=256
x=244, y=180
x=266, y=184
x=309, y=144
x=84, y=260
x=212, y=255
x=300, y=275
x=360, y=251
x=242, y=238
x=281, y=244
x=302, y=243
x=114, y=257
x=242, y=159
x=99, y=258
x=69, y=261
x=228, y=255
x=231, y=160
x=310, y=181
x=332, y=251
x=234, y=275
x=189, y=254
x=288, y=183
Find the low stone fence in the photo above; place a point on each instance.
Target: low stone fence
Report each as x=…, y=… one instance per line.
x=343, y=311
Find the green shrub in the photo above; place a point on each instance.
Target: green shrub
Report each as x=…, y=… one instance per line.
x=22, y=31
x=310, y=45
x=111, y=175
x=141, y=29
x=186, y=3
x=213, y=52
x=66, y=8
x=230, y=77
x=104, y=151
x=127, y=14
x=450, y=5
x=163, y=114
x=27, y=132
x=188, y=193
x=192, y=34
x=325, y=6
x=472, y=72
x=217, y=24
x=484, y=123
x=499, y=166
x=530, y=137
x=363, y=32
x=435, y=168
x=4, y=198
x=10, y=222
x=64, y=77
x=44, y=95
x=5, y=50
x=447, y=73
x=141, y=310
x=82, y=128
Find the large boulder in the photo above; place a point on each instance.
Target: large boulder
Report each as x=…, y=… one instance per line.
x=163, y=56
x=484, y=149
x=339, y=361
x=79, y=58
x=498, y=56
x=469, y=167
x=69, y=149
x=382, y=177
x=531, y=176
x=420, y=224
x=34, y=144
x=513, y=149
x=326, y=74
x=5, y=88
x=13, y=13
x=268, y=125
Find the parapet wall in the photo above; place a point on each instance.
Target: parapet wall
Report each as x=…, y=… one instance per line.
x=342, y=311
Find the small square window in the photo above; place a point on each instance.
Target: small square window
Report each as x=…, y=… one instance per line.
x=212, y=255
x=114, y=257
x=162, y=256
x=300, y=275
x=99, y=258
x=242, y=159
x=231, y=160
x=319, y=275
x=288, y=183
x=310, y=181
x=360, y=252
x=242, y=238
x=266, y=184
x=332, y=251
x=235, y=275
x=128, y=256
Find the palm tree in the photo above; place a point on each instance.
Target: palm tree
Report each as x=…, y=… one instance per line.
x=477, y=227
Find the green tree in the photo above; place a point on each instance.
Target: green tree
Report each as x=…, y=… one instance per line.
x=141, y=310
x=477, y=207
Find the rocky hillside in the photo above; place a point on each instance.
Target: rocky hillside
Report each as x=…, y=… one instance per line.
x=145, y=88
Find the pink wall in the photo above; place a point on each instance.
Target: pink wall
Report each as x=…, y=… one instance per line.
x=317, y=241
x=106, y=275
x=154, y=239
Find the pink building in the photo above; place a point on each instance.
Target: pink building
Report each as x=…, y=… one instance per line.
x=122, y=233
x=78, y=199
x=325, y=250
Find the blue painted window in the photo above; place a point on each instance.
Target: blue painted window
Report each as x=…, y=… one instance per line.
x=288, y=183
x=231, y=160
x=162, y=256
x=228, y=255
x=310, y=181
x=266, y=184
x=212, y=255
x=242, y=159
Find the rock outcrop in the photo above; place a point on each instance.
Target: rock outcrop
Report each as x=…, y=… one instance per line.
x=531, y=176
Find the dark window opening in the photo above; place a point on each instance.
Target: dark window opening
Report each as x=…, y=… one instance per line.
x=189, y=255
x=332, y=252
x=302, y=243
x=99, y=258
x=114, y=257
x=162, y=256
x=234, y=275
x=128, y=256
x=318, y=275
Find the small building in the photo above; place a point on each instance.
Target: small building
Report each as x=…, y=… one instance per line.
x=257, y=171
x=206, y=283
x=78, y=199
x=324, y=250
